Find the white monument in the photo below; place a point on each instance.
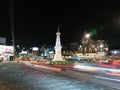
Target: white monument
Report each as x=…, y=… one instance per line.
x=58, y=55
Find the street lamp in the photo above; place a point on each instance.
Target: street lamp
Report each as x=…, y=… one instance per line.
x=87, y=35
x=86, y=42
x=101, y=46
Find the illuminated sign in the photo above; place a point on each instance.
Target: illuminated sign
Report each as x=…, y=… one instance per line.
x=6, y=49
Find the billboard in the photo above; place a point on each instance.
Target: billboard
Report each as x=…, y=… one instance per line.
x=6, y=49
x=2, y=41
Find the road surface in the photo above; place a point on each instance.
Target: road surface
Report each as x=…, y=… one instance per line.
x=19, y=76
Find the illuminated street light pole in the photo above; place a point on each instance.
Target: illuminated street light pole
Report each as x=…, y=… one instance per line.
x=87, y=36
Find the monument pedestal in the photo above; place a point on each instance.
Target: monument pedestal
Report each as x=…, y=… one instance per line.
x=58, y=56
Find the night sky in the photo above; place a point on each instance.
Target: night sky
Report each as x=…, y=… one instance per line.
x=36, y=22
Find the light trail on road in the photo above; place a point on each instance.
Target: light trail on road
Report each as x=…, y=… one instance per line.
x=18, y=76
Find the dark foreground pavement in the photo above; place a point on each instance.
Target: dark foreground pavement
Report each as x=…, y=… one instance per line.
x=19, y=76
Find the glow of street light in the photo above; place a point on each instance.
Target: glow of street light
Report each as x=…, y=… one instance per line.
x=80, y=46
x=101, y=46
x=87, y=35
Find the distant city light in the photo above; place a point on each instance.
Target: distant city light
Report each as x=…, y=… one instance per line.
x=51, y=52
x=35, y=48
x=23, y=52
x=18, y=46
x=80, y=46
x=101, y=46
x=115, y=52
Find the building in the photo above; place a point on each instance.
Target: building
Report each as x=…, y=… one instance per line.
x=93, y=46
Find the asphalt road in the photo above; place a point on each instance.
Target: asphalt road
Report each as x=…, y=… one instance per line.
x=19, y=76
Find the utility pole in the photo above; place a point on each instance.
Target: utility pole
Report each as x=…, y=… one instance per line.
x=10, y=2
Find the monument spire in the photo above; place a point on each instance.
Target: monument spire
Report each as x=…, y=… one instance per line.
x=58, y=27
x=58, y=55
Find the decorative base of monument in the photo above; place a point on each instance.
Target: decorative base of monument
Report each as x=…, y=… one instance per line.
x=61, y=62
x=58, y=57
x=58, y=61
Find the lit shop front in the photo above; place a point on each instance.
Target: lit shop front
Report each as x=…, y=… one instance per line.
x=6, y=52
